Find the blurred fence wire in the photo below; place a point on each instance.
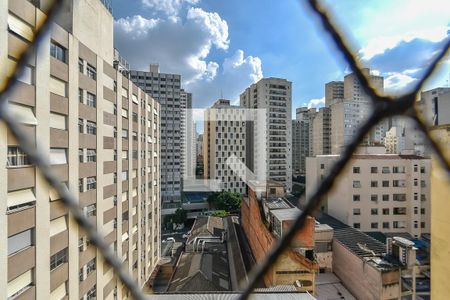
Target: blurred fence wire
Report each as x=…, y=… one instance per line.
x=383, y=106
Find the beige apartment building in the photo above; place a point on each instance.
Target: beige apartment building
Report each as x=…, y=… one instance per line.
x=274, y=95
x=224, y=136
x=101, y=135
x=377, y=192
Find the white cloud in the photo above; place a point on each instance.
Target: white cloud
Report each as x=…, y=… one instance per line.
x=395, y=82
x=316, y=103
x=236, y=73
x=380, y=44
x=169, y=7
x=179, y=47
x=182, y=45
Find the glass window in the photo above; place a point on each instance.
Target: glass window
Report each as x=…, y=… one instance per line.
x=20, y=241
x=58, y=51
x=91, y=155
x=91, y=100
x=58, y=259
x=91, y=127
x=91, y=183
x=16, y=157
x=91, y=71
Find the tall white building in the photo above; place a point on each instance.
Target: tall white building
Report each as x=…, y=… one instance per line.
x=348, y=114
x=274, y=95
x=225, y=135
x=321, y=132
x=302, y=138
x=166, y=89
x=101, y=135
x=377, y=192
x=435, y=106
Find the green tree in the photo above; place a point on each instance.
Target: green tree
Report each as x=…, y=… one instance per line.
x=180, y=216
x=220, y=213
x=226, y=201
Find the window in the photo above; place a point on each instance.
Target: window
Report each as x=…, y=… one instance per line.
x=58, y=121
x=58, y=225
x=356, y=170
x=91, y=99
x=374, y=183
x=374, y=211
x=374, y=225
x=91, y=183
x=385, y=170
x=373, y=170
x=125, y=113
x=385, y=225
x=16, y=157
x=385, y=183
x=20, y=28
x=399, y=211
x=91, y=155
x=422, y=170
x=58, y=156
x=356, y=211
x=356, y=184
x=124, y=154
x=91, y=127
x=81, y=65
x=125, y=134
x=19, y=284
x=80, y=185
x=91, y=72
x=135, y=138
x=422, y=225
x=90, y=210
x=374, y=198
x=134, y=117
x=20, y=241
x=23, y=114
x=322, y=166
x=20, y=199
x=58, y=259
x=27, y=75
x=356, y=225
x=90, y=266
x=124, y=175
x=92, y=293
x=58, y=87
x=80, y=125
x=58, y=51
x=399, y=197
x=422, y=211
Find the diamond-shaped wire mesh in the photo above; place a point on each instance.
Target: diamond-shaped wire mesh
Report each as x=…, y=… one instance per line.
x=383, y=107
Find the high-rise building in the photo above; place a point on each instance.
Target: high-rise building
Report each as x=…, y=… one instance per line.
x=377, y=192
x=435, y=106
x=101, y=135
x=274, y=95
x=321, y=132
x=224, y=135
x=349, y=113
x=302, y=134
x=334, y=92
x=166, y=89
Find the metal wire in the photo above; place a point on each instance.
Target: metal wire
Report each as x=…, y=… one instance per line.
x=383, y=107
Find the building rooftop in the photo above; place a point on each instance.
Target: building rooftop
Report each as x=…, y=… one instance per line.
x=379, y=156
x=234, y=296
x=207, y=226
x=276, y=203
x=328, y=286
x=202, y=271
x=360, y=244
x=286, y=214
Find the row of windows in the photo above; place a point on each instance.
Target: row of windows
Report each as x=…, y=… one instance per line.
x=387, y=170
x=386, y=183
x=387, y=225
x=91, y=184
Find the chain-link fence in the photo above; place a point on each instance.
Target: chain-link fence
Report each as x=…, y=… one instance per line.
x=383, y=107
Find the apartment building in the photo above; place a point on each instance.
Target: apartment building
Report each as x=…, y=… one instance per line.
x=101, y=135
x=435, y=106
x=348, y=113
x=334, y=92
x=225, y=135
x=166, y=89
x=377, y=192
x=274, y=95
x=302, y=133
x=321, y=132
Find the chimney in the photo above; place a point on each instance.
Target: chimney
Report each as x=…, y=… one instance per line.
x=154, y=68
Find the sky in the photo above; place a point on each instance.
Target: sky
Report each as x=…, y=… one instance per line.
x=221, y=47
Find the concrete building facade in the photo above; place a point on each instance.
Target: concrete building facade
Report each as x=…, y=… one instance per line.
x=435, y=106
x=378, y=192
x=302, y=133
x=274, y=95
x=334, y=92
x=166, y=89
x=224, y=136
x=101, y=135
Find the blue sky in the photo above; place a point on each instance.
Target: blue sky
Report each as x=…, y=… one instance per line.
x=220, y=47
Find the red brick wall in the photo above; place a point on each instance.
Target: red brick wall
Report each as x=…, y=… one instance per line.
x=261, y=239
